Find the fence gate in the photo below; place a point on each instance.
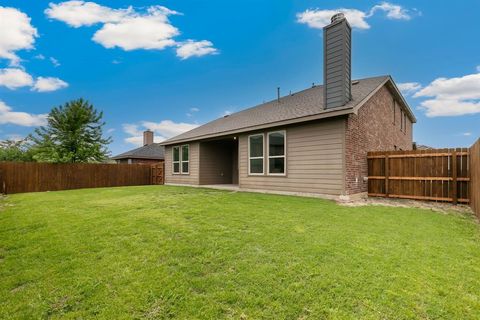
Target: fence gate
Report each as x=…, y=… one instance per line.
x=158, y=173
x=438, y=175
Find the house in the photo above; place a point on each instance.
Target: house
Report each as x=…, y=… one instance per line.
x=150, y=153
x=421, y=147
x=312, y=141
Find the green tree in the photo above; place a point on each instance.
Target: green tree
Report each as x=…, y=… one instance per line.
x=11, y=150
x=73, y=134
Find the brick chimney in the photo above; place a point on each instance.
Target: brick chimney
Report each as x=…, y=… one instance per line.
x=147, y=137
x=337, y=52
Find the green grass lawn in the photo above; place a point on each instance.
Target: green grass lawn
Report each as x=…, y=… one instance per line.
x=161, y=252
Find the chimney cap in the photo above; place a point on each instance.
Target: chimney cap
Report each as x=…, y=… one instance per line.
x=337, y=17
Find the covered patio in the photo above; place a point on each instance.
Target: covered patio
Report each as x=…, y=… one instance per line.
x=219, y=162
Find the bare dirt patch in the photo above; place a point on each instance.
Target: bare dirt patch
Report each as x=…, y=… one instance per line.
x=442, y=207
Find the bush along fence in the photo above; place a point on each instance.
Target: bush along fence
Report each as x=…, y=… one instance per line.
x=18, y=177
x=448, y=175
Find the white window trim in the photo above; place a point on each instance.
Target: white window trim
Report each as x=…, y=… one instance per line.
x=183, y=161
x=179, y=160
x=252, y=158
x=273, y=157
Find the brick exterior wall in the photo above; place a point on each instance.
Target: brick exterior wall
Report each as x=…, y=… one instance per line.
x=373, y=129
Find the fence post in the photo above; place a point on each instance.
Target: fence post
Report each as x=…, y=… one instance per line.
x=454, y=176
x=2, y=182
x=387, y=169
x=152, y=174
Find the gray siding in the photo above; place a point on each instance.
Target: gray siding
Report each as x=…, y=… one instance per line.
x=193, y=176
x=337, y=61
x=315, y=162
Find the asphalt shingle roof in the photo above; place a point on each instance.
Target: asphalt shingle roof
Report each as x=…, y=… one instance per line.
x=151, y=151
x=301, y=104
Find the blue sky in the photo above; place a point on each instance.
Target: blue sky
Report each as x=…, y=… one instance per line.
x=171, y=65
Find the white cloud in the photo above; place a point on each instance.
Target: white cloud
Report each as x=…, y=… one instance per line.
x=409, y=87
x=49, y=84
x=192, y=111
x=393, y=11
x=123, y=28
x=81, y=13
x=16, y=33
x=451, y=96
x=317, y=18
x=7, y=116
x=191, y=48
x=14, y=78
x=163, y=130
x=467, y=134
x=15, y=137
x=168, y=128
x=136, y=135
x=55, y=62
x=129, y=29
x=131, y=129
x=152, y=31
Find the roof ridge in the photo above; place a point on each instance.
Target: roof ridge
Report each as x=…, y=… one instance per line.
x=135, y=152
x=301, y=104
x=294, y=93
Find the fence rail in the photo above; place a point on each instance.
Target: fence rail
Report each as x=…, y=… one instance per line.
x=438, y=175
x=17, y=177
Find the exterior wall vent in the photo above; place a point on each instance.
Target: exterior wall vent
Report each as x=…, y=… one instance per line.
x=337, y=51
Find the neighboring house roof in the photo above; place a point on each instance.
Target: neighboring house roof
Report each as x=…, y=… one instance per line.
x=423, y=147
x=151, y=151
x=302, y=106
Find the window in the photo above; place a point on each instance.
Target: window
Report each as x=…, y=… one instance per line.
x=185, y=155
x=401, y=120
x=176, y=160
x=276, y=153
x=404, y=123
x=394, y=111
x=255, y=154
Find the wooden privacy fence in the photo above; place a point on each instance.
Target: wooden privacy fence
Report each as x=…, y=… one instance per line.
x=475, y=177
x=438, y=175
x=17, y=177
x=158, y=176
